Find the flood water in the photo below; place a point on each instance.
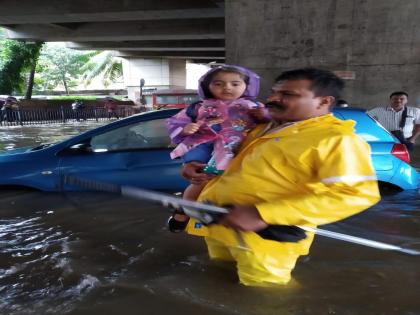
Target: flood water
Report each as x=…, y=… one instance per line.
x=94, y=253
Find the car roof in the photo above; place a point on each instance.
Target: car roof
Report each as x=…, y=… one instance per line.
x=366, y=127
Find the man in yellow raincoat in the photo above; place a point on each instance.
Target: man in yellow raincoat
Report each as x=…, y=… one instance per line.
x=305, y=167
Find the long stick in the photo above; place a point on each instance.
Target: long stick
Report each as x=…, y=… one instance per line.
x=205, y=212
x=133, y=192
x=360, y=241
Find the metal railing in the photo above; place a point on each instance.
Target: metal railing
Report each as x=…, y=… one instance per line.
x=59, y=115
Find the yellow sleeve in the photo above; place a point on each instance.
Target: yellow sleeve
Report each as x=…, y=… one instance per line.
x=343, y=184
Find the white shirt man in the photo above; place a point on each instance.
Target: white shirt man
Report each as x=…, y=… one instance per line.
x=391, y=115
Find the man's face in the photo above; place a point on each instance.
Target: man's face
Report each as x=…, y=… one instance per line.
x=293, y=100
x=398, y=101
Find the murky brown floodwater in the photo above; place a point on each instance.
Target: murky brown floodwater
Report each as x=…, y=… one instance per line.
x=91, y=253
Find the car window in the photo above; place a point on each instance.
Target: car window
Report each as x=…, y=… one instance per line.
x=143, y=135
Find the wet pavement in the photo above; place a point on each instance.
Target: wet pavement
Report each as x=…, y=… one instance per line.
x=94, y=253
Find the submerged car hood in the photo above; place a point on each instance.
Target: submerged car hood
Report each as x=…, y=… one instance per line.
x=16, y=151
x=25, y=149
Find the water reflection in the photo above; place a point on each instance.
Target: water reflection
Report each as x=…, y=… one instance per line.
x=19, y=136
x=94, y=253
x=86, y=253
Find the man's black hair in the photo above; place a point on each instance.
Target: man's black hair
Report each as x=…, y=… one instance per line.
x=398, y=93
x=324, y=82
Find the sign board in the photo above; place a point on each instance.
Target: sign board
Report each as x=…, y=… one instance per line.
x=345, y=74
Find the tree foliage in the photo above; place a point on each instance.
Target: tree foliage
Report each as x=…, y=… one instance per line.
x=60, y=66
x=56, y=66
x=103, y=64
x=16, y=59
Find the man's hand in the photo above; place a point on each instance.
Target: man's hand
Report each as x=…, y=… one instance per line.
x=416, y=133
x=243, y=218
x=193, y=171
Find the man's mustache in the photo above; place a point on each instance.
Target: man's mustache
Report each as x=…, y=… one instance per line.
x=276, y=105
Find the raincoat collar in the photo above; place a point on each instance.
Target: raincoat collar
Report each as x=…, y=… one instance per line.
x=305, y=124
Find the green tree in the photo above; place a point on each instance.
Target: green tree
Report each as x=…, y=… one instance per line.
x=58, y=66
x=17, y=59
x=103, y=64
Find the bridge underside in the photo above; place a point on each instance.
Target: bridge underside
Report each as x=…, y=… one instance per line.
x=182, y=29
x=373, y=45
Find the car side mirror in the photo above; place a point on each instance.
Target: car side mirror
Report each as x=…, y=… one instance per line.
x=83, y=147
x=78, y=148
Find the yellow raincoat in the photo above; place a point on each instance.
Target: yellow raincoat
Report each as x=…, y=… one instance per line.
x=312, y=172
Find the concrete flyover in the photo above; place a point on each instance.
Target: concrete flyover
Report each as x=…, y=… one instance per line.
x=187, y=29
x=154, y=37
x=373, y=44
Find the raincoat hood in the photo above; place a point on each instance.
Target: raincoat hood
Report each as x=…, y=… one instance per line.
x=251, y=91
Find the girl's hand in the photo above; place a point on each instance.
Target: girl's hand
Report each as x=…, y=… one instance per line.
x=191, y=128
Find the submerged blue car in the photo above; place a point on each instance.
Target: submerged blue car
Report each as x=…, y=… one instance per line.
x=135, y=151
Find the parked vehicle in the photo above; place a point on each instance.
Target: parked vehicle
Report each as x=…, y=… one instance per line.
x=173, y=98
x=135, y=151
x=390, y=158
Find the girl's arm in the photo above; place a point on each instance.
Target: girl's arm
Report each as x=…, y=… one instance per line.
x=176, y=124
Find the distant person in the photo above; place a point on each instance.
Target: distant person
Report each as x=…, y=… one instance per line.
x=78, y=106
x=401, y=120
x=8, y=107
x=111, y=107
x=15, y=111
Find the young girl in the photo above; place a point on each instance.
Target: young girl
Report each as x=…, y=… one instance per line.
x=210, y=131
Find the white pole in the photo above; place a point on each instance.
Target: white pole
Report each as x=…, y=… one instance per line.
x=360, y=241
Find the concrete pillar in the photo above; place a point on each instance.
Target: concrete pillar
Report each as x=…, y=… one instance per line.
x=373, y=44
x=177, y=73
